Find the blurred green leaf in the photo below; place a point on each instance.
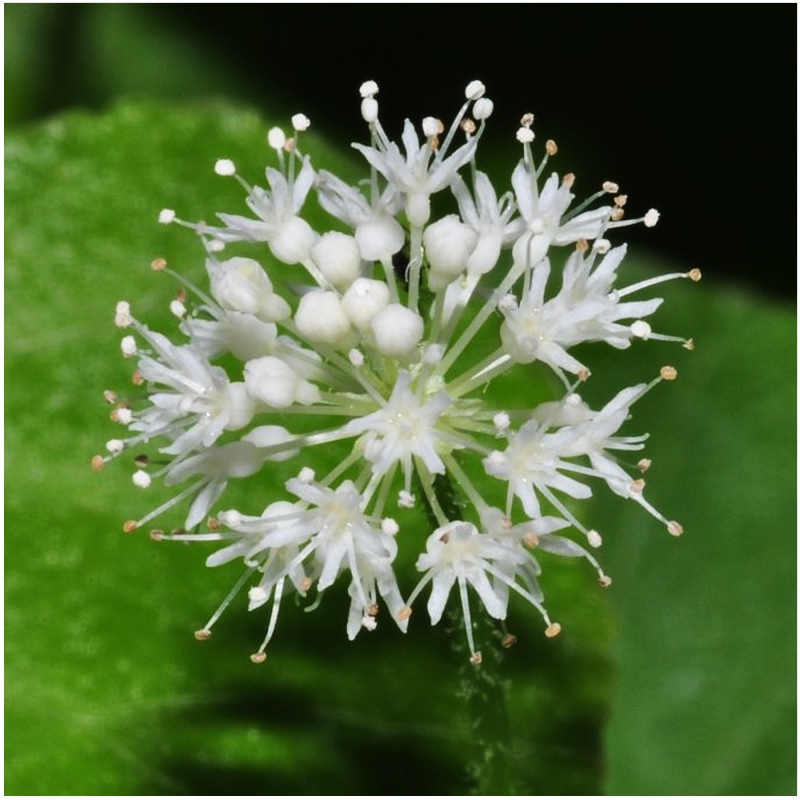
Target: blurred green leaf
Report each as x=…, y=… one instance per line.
x=107, y=692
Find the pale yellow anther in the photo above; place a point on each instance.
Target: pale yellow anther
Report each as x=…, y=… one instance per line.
x=109, y=396
x=668, y=373
x=130, y=526
x=157, y=535
x=584, y=375
x=159, y=264
x=509, y=640
x=689, y=344
x=604, y=581
x=404, y=613
x=568, y=180
x=258, y=658
x=644, y=464
x=530, y=540
x=581, y=245
x=620, y=200
x=202, y=635
x=694, y=274
x=372, y=610
x=674, y=528
x=550, y=147
x=468, y=125
x=98, y=462
x=213, y=524
x=476, y=658
x=305, y=584
x=552, y=630
x=137, y=379
x=527, y=120
x=610, y=187
x=637, y=486
x=617, y=214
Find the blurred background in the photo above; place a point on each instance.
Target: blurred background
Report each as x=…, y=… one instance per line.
x=682, y=680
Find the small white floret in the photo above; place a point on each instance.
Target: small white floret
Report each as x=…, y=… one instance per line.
x=321, y=318
x=178, y=309
x=363, y=300
x=225, y=167
x=166, y=215
x=651, y=218
x=501, y=421
x=390, y=527
x=338, y=258
x=594, y=538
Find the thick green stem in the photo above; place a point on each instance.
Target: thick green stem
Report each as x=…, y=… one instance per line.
x=481, y=686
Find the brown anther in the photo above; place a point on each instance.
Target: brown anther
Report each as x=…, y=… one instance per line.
x=604, y=581
x=694, y=274
x=159, y=264
x=530, y=540
x=177, y=531
x=468, y=125
x=289, y=145
x=620, y=200
x=180, y=295
x=583, y=375
x=689, y=344
x=552, y=630
x=109, y=396
x=509, y=640
x=433, y=143
x=202, y=635
x=157, y=535
x=637, y=486
x=617, y=214
x=130, y=526
x=142, y=460
x=404, y=613
x=258, y=658
x=581, y=245
x=568, y=180
x=610, y=187
x=445, y=537
x=550, y=147
x=372, y=610
x=644, y=464
x=476, y=658
x=674, y=528
x=137, y=379
x=98, y=462
x=668, y=373
x=527, y=120
x=213, y=524
x=507, y=524
x=305, y=584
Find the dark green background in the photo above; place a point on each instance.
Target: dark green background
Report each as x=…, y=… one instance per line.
x=680, y=679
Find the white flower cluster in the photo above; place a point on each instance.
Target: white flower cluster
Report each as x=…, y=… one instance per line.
x=385, y=349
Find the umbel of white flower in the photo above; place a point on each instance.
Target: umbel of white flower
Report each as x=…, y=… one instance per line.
x=384, y=353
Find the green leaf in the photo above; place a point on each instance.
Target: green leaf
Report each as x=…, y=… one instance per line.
x=107, y=691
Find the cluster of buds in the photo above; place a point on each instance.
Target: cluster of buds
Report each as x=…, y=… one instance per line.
x=385, y=350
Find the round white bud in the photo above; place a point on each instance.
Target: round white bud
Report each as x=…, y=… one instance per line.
x=363, y=300
x=641, y=329
x=276, y=138
x=397, y=330
x=240, y=284
x=166, y=215
x=321, y=318
x=380, y=237
x=300, y=122
x=448, y=243
x=292, y=241
x=178, y=309
x=128, y=346
x=483, y=108
x=276, y=384
x=338, y=258
x=475, y=90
